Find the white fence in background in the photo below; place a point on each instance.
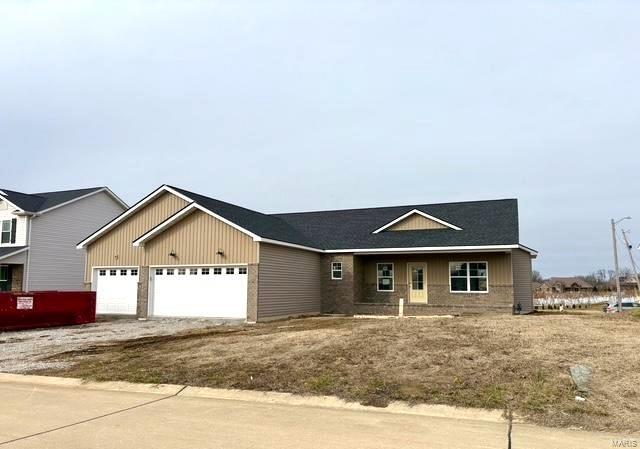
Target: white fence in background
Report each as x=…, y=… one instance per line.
x=579, y=302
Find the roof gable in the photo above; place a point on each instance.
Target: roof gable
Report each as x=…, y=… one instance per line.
x=45, y=201
x=416, y=220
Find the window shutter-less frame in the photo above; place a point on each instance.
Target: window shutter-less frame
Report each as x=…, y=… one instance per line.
x=14, y=225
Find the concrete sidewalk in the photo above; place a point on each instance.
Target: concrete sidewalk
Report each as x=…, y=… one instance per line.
x=37, y=415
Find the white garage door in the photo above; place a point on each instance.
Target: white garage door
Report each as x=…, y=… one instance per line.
x=219, y=292
x=116, y=290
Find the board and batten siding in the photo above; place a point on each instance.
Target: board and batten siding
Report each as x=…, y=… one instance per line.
x=54, y=263
x=288, y=282
x=522, y=282
x=416, y=222
x=196, y=240
x=115, y=247
x=499, y=266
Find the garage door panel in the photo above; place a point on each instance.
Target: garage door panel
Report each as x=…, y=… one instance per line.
x=116, y=290
x=216, y=292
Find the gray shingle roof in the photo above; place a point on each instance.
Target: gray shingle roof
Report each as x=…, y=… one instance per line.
x=6, y=250
x=482, y=222
x=266, y=226
x=493, y=222
x=36, y=202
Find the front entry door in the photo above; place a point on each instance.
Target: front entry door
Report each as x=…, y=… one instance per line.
x=417, y=274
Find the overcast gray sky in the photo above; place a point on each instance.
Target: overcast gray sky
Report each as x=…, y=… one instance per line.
x=301, y=105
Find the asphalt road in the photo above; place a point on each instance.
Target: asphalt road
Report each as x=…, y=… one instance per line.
x=46, y=416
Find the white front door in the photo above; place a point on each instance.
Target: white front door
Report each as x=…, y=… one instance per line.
x=216, y=292
x=116, y=290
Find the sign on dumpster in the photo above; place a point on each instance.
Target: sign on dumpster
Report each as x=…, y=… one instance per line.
x=24, y=302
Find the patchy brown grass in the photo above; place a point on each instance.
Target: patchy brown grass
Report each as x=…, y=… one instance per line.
x=521, y=363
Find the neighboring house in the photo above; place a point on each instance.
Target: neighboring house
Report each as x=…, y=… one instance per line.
x=40, y=232
x=569, y=284
x=178, y=253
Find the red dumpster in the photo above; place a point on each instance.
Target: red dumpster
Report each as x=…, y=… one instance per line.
x=24, y=310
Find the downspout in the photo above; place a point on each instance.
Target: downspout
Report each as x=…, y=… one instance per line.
x=25, y=282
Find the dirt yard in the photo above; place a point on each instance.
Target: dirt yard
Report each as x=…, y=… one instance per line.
x=489, y=361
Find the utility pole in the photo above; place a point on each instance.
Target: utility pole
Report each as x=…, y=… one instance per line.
x=634, y=267
x=615, y=260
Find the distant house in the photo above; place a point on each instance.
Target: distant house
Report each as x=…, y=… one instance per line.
x=568, y=284
x=39, y=232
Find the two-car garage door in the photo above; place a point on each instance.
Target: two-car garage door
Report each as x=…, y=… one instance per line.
x=219, y=292
x=199, y=292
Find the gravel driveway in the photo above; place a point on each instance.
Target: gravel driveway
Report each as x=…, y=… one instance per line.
x=24, y=351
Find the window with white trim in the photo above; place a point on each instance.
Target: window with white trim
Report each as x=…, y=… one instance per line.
x=469, y=277
x=112, y=272
x=6, y=231
x=170, y=271
x=242, y=270
x=230, y=270
x=193, y=271
x=204, y=271
x=123, y=272
x=217, y=271
x=102, y=272
x=159, y=271
x=182, y=271
x=385, y=277
x=134, y=272
x=336, y=271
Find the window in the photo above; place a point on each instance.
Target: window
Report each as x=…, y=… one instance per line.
x=170, y=271
x=205, y=271
x=193, y=271
x=230, y=270
x=123, y=272
x=134, y=272
x=6, y=231
x=217, y=271
x=102, y=272
x=336, y=270
x=112, y=272
x=242, y=270
x=385, y=277
x=159, y=271
x=4, y=273
x=469, y=277
x=182, y=271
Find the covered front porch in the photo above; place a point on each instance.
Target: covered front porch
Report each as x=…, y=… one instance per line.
x=12, y=262
x=428, y=283
x=11, y=277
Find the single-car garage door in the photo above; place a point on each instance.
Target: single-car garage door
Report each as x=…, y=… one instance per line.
x=217, y=292
x=116, y=290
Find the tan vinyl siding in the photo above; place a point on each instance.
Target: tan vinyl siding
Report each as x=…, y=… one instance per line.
x=522, y=283
x=288, y=282
x=416, y=222
x=114, y=248
x=438, y=266
x=196, y=240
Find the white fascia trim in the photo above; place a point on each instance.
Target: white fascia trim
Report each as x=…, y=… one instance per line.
x=419, y=212
x=183, y=213
x=14, y=253
x=165, y=224
x=129, y=212
x=19, y=210
x=441, y=249
x=95, y=192
x=290, y=245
